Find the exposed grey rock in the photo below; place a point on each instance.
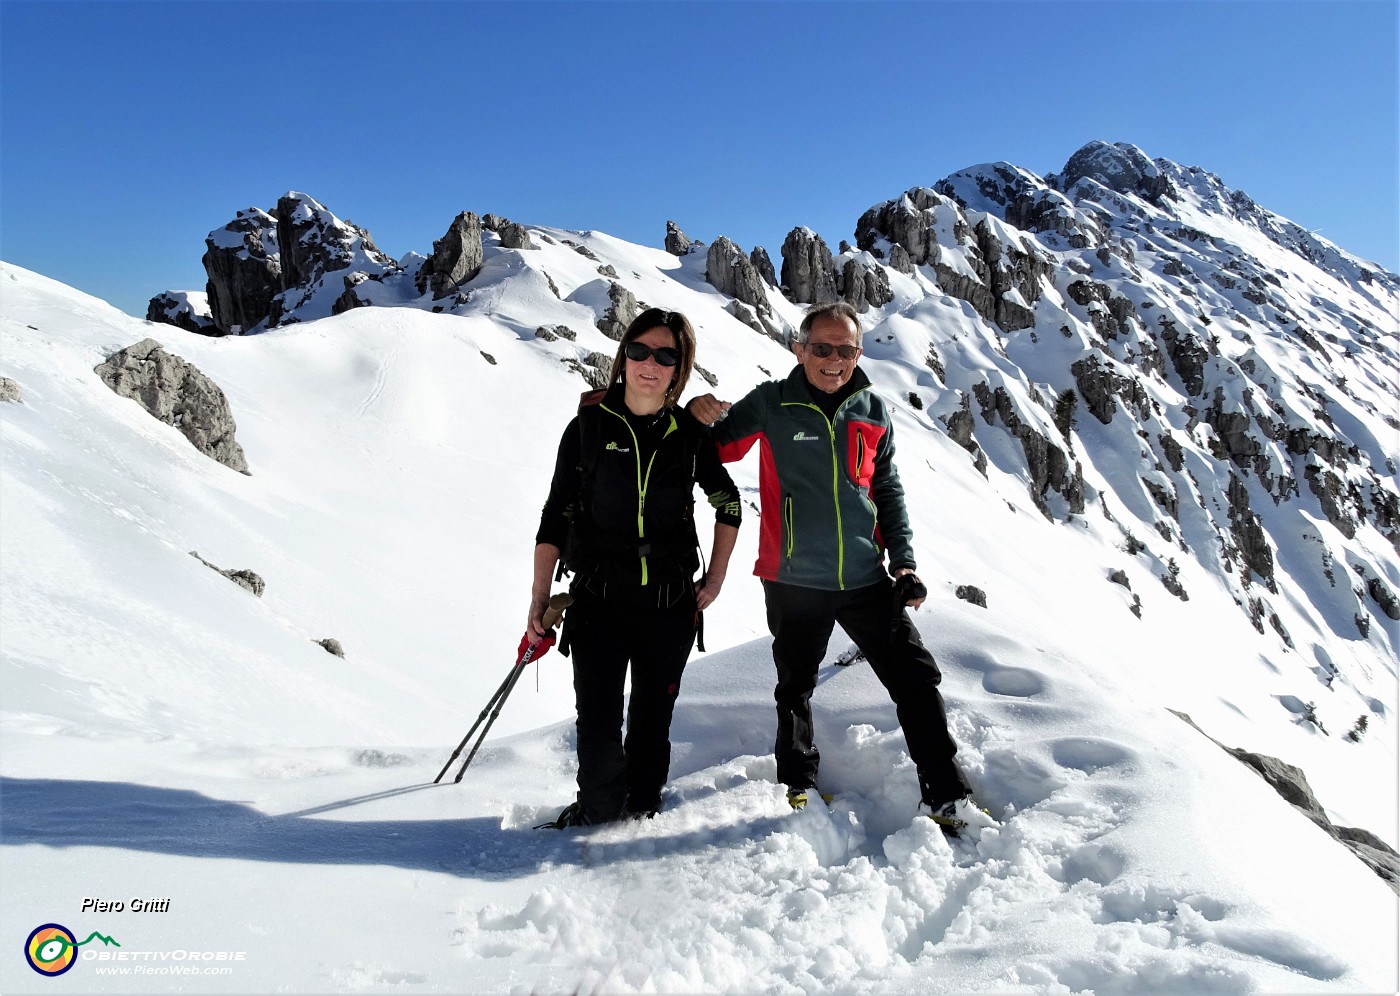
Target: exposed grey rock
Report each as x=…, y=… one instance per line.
x=1001, y=273
x=493, y=222
x=1173, y=584
x=1100, y=383
x=1121, y=577
x=244, y=266
x=582, y=250
x=745, y=314
x=177, y=393
x=1049, y=466
x=592, y=367
x=1383, y=596
x=864, y=285
x=351, y=298
x=243, y=578
x=313, y=244
x=677, y=243
x=1250, y=538
x=1188, y=357
x=622, y=309
x=1120, y=167
x=907, y=221
x=961, y=426
x=456, y=257
x=732, y=273
x=331, y=645
x=172, y=308
x=550, y=333
x=968, y=593
x=9, y=391
x=764, y=266
x=1292, y=784
x=1012, y=269
x=899, y=260
x=1328, y=489
x=515, y=236
x=809, y=274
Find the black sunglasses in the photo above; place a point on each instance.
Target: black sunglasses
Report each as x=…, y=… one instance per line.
x=822, y=350
x=640, y=351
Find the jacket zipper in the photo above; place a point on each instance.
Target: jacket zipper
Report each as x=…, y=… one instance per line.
x=642, y=482
x=835, y=482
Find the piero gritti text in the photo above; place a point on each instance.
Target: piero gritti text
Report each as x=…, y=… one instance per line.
x=91, y=905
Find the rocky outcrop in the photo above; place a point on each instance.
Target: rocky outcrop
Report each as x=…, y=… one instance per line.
x=177, y=393
x=1015, y=271
x=9, y=392
x=1119, y=167
x=732, y=273
x=1251, y=540
x=331, y=646
x=677, y=242
x=176, y=308
x=764, y=265
x=863, y=284
x=911, y=222
x=972, y=594
x=1101, y=385
x=1188, y=356
x=456, y=258
x=900, y=261
x=246, y=580
x=314, y=244
x=987, y=264
x=622, y=309
x=244, y=266
x=1049, y=466
x=1291, y=783
x=809, y=274
x=267, y=269
x=961, y=426
x=515, y=236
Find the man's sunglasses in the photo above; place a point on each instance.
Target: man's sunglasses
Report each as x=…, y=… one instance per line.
x=640, y=351
x=822, y=350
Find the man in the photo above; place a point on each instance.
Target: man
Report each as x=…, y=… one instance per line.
x=832, y=505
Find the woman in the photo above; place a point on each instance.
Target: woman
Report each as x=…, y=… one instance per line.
x=620, y=516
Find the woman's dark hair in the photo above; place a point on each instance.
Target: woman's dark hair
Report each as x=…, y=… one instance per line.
x=680, y=327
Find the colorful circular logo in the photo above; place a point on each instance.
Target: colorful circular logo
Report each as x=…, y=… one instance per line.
x=51, y=949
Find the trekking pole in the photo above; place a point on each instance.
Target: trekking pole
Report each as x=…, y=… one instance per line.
x=557, y=604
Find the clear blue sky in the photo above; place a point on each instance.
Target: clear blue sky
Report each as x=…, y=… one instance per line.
x=129, y=130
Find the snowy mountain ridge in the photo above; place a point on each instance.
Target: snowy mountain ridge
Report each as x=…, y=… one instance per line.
x=168, y=731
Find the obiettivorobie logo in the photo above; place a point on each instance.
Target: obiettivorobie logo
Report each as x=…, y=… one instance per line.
x=52, y=948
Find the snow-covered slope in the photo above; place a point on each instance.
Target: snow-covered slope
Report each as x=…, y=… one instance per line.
x=166, y=733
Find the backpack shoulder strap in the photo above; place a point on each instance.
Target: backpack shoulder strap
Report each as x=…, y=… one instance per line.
x=590, y=434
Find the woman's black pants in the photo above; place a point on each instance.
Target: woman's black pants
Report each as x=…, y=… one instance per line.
x=620, y=775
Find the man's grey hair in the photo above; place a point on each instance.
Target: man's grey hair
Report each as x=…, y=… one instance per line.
x=835, y=309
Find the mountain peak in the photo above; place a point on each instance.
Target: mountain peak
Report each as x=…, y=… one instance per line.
x=1119, y=166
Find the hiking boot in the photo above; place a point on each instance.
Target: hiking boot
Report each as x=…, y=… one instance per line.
x=954, y=816
x=572, y=816
x=797, y=798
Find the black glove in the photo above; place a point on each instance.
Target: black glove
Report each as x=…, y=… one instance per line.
x=908, y=588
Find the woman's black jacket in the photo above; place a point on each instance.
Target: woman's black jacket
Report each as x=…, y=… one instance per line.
x=621, y=505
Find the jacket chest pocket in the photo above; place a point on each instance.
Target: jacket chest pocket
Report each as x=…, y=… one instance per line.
x=862, y=440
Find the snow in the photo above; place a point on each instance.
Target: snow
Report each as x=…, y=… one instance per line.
x=167, y=734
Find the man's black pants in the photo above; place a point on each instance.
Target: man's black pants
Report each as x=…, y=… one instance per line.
x=616, y=775
x=801, y=621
